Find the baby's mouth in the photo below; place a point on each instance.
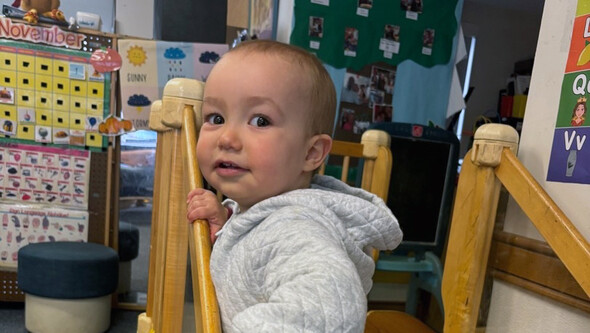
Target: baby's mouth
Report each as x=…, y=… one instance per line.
x=227, y=165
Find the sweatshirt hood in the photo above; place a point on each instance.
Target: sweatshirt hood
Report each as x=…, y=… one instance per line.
x=361, y=219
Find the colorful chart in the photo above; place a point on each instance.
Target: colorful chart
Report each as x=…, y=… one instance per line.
x=23, y=224
x=44, y=175
x=148, y=65
x=51, y=95
x=570, y=153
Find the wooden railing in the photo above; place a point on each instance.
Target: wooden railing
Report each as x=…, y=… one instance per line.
x=175, y=119
x=490, y=164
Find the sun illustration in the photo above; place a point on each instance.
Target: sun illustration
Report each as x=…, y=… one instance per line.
x=136, y=55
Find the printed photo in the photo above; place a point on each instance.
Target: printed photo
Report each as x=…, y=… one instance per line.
x=382, y=113
x=350, y=41
x=376, y=97
x=382, y=79
x=428, y=38
x=360, y=127
x=391, y=32
x=427, y=41
x=355, y=89
x=347, y=119
x=411, y=5
x=367, y=4
x=316, y=26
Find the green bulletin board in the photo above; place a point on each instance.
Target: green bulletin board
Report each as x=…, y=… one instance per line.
x=354, y=33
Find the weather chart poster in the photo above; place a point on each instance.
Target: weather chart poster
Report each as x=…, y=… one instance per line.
x=148, y=65
x=570, y=153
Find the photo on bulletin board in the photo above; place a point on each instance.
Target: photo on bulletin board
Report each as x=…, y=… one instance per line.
x=427, y=41
x=351, y=37
x=353, y=120
x=391, y=32
x=376, y=97
x=382, y=113
x=411, y=5
x=316, y=26
x=347, y=119
x=355, y=89
x=367, y=4
x=390, y=41
x=382, y=79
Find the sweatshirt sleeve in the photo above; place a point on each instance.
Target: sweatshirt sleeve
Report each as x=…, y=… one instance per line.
x=308, y=281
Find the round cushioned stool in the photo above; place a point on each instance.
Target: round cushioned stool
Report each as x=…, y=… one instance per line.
x=128, y=250
x=67, y=286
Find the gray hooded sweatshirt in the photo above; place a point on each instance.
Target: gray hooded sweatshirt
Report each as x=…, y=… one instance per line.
x=300, y=261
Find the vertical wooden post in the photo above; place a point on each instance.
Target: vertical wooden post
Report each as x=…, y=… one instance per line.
x=207, y=318
x=170, y=230
x=472, y=227
x=376, y=147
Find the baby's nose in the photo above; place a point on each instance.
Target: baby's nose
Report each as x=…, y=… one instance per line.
x=230, y=139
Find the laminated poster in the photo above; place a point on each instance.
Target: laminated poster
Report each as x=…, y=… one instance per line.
x=570, y=152
x=51, y=95
x=148, y=65
x=26, y=224
x=44, y=175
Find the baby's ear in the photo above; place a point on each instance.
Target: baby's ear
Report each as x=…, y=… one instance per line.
x=319, y=148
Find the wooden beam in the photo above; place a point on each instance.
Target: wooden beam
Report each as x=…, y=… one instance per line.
x=176, y=242
x=542, y=290
x=532, y=264
x=563, y=237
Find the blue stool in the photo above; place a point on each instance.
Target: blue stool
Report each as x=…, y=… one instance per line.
x=68, y=286
x=128, y=250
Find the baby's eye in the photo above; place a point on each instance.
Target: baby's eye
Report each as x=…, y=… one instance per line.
x=214, y=119
x=260, y=121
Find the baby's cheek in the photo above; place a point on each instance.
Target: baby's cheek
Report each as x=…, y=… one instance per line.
x=203, y=151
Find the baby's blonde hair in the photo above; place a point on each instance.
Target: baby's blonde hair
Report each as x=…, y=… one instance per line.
x=322, y=103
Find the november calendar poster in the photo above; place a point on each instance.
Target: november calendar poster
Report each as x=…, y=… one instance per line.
x=570, y=153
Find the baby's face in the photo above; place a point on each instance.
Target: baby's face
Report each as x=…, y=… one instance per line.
x=253, y=143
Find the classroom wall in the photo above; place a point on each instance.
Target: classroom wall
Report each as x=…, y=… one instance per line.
x=135, y=18
x=104, y=8
x=512, y=309
x=503, y=36
x=421, y=94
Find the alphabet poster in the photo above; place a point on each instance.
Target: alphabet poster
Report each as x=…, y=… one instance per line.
x=148, y=65
x=570, y=153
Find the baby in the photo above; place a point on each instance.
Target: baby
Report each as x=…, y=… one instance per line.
x=291, y=248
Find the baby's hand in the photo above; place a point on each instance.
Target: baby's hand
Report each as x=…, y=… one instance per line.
x=203, y=204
